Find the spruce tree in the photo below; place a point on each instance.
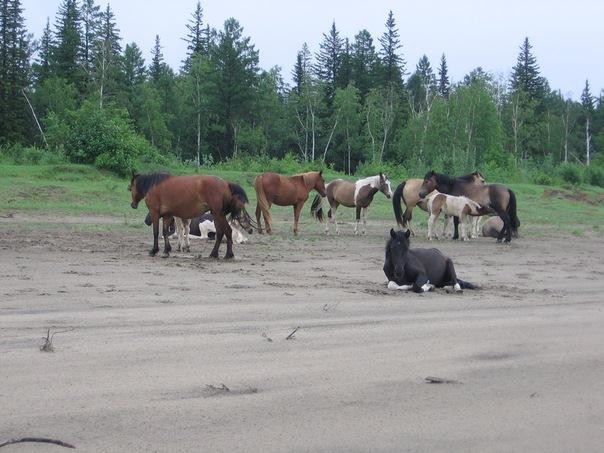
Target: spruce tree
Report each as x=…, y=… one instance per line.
x=133, y=67
x=106, y=55
x=363, y=62
x=329, y=61
x=425, y=72
x=67, y=55
x=526, y=76
x=196, y=39
x=41, y=66
x=91, y=21
x=14, y=72
x=444, y=85
x=298, y=73
x=157, y=62
x=393, y=64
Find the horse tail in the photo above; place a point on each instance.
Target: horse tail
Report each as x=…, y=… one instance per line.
x=316, y=210
x=238, y=192
x=511, y=210
x=396, y=204
x=466, y=285
x=261, y=198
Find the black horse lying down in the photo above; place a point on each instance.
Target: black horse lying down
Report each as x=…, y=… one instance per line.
x=418, y=269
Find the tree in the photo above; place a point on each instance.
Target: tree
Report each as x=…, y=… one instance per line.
x=329, y=62
x=525, y=74
x=91, y=21
x=106, y=55
x=444, y=85
x=157, y=62
x=347, y=103
x=133, y=66
x=67, y=55
x=298, y=73
x=393, y=64
x=363, y=62
x=41, y=66
x=195, y=39
x=587, y=101
x=236, y=72
x=14, y=72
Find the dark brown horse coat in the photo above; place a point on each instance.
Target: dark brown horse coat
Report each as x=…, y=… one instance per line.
x=285, y=191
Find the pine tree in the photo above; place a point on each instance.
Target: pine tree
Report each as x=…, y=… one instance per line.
x=525, y=75
x=157, y=62
x=14, y=72
x=393, y=64
x=196, y=39
x=133, y=66
x=444, y=85
x=425, y=72
x=345, y=74
x=91, y=21
x=67, y=55
x=363, y=62
x=329, y=61
x=298, y=73
x=41, y=66
x=106, y=55
x=587, y=102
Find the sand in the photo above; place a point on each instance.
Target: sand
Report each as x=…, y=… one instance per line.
x=190, y=354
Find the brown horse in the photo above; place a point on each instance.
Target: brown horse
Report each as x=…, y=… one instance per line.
x=408, y=192
x=358, y=194
x=187, y=197
x=285, y=191
x=492, y=198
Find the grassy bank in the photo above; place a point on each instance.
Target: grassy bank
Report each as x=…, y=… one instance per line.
x=83, y=190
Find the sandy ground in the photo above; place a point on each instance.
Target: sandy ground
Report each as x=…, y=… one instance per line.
x=154, y=340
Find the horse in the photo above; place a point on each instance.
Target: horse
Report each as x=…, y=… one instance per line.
x=419, y=269
x=408, y=192
x=285, y=191
x=187, y=197
x=204, y=227
x=493, y=226
x=357, y=195
x=492, y=198
x=460, y=207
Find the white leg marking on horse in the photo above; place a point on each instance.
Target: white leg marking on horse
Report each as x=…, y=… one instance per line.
x=427, y=287
x=395, y=286
x=364, y=215
x=457, y=288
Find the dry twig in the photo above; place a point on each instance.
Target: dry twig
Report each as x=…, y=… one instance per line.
x=42, y=440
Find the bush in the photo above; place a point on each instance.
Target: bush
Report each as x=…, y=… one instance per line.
x=543, y=179
x=18, y=154
x=571, y=173
x=595, y=176
x=393, y=171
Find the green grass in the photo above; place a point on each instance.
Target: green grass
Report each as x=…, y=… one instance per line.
x=83, y=190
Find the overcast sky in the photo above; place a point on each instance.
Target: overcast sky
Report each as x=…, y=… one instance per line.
x=567, y=36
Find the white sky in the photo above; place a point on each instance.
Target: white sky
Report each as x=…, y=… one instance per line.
x=567, y=36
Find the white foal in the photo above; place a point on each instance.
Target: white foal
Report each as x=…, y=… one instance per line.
x=451, y=206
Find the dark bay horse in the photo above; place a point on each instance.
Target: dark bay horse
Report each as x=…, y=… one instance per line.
x=492, y=198
x=418, y=269
x=358, y=194
x=408, y=193
x=187, y=197
x=285, y=191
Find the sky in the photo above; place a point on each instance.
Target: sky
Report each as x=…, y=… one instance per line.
x=567, y=36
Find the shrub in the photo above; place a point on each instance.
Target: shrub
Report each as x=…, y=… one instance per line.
x=542, y=179
x=595, y=176
x=571, y=173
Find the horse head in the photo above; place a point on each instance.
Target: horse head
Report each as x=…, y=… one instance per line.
x=478, y=178
x=136, y=194
x=428, y=185
x=237, y=209
x=320, y=184
x=397, y=246
x=384, y=185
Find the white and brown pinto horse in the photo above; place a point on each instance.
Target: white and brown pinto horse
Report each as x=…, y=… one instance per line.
x=451, y=206
x=408, y=193
x=358, y=194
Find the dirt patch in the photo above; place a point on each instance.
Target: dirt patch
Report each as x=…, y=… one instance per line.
x=576, y=196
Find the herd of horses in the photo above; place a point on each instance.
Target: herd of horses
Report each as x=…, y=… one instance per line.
x=177, y=199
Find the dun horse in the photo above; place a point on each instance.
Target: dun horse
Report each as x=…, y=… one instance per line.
x=285, y=191
x=357, y=195
x=419, y=269
x=408, y=192
x=187, y=197
x=493, y=198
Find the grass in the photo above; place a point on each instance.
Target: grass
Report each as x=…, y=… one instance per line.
x=83, y=190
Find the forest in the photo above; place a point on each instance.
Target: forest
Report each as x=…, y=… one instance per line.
x=78, y=93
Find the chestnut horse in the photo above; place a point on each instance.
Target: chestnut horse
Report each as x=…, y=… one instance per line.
x=187, y=197
x=408, y=192
x=492, y=198
x=285, y=191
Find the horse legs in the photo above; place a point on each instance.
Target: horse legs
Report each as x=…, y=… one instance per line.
x=431, y=222
x=463, y=220
x=269, y=227
x=222, y=228
x=166, y=231
x=422, y=284
x=450, y=278
x=456, y=227
x=258, y=218
x=507, y=230
x=186, y=223
x=364, y=214
x=358, y=218
x=475, y=226
x=155, y=220
x=297, y=211
x=407, y=216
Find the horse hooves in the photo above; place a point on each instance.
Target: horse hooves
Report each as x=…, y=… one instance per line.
x=229, y=256
x=214, y=255
x=186, y=249
x=165, y=255
x=153, y=252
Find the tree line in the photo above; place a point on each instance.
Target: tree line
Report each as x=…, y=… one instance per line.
x=80, y=91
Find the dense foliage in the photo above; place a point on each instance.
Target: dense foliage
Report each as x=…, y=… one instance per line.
x=354, y=105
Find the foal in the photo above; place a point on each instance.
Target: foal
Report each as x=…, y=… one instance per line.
x=450, y=206
x=419, y=269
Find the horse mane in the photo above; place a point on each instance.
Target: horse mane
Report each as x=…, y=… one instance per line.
x=441, y=178
x=306, y=178
x=145, y=182
x=468, y=178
